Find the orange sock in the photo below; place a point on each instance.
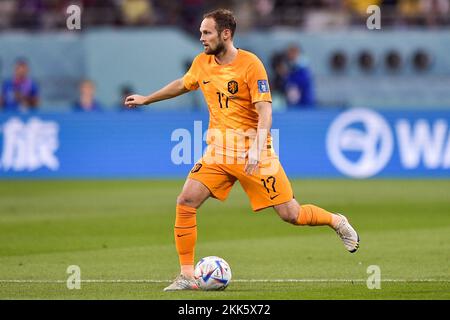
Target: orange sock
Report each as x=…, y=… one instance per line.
x=312, y=215
x=185, y=233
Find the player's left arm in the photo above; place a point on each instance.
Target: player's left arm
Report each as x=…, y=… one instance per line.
x=264, y=109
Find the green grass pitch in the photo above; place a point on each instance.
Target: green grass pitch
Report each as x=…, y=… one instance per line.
x=120, y=233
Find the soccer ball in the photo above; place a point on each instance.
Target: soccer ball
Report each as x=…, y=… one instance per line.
x=212, y=273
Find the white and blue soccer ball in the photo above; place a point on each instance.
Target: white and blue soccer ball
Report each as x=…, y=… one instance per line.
x=212, y=273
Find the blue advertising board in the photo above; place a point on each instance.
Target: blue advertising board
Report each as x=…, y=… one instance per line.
x=353, y=143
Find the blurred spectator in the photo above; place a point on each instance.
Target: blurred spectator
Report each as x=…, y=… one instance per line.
x=87, y=101
x=435, y=11
x=410, y=11
x=312, y=14
x=255, y=14
x=7, y=9
x=245, y=15
x=264, y=10
x=277, y=79
x=280, y=69
x=167, y=12
x=191, y=13
x=20, y=93
x=358, y=10
x=99, y=12
x=137, y=12
x=299, y=86
x=359, y=7
x=28, y=14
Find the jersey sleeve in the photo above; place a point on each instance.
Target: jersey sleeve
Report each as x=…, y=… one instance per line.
x=258, y=82
x=190, y=79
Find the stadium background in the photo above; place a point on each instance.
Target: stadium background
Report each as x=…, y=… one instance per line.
x=382, y=110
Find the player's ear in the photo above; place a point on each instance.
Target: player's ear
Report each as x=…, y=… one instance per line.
x=226, y=34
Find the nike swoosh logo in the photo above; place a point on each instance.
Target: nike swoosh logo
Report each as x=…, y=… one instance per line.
x=271, y=198
x=206, y=82
x=182, y=235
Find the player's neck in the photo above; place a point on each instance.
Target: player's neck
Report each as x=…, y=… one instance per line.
x=227, y=55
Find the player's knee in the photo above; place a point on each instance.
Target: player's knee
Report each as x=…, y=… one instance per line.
x=186, y=200
x=289, y=211
x=292, y=218
x=289, y=216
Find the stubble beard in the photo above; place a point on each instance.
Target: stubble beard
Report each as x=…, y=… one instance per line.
x=218, y=50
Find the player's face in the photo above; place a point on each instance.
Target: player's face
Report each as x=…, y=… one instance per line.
x=212, y=42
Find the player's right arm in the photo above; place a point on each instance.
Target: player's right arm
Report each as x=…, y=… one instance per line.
x=173, y=89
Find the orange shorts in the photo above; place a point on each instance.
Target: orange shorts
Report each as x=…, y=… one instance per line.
x=267, y=187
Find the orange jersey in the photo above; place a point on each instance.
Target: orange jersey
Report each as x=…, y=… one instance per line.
x=230, y=91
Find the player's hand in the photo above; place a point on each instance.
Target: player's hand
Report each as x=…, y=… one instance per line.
x=135, y=100
x=252, y=161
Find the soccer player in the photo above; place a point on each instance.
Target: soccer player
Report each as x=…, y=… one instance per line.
x=236, y=88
